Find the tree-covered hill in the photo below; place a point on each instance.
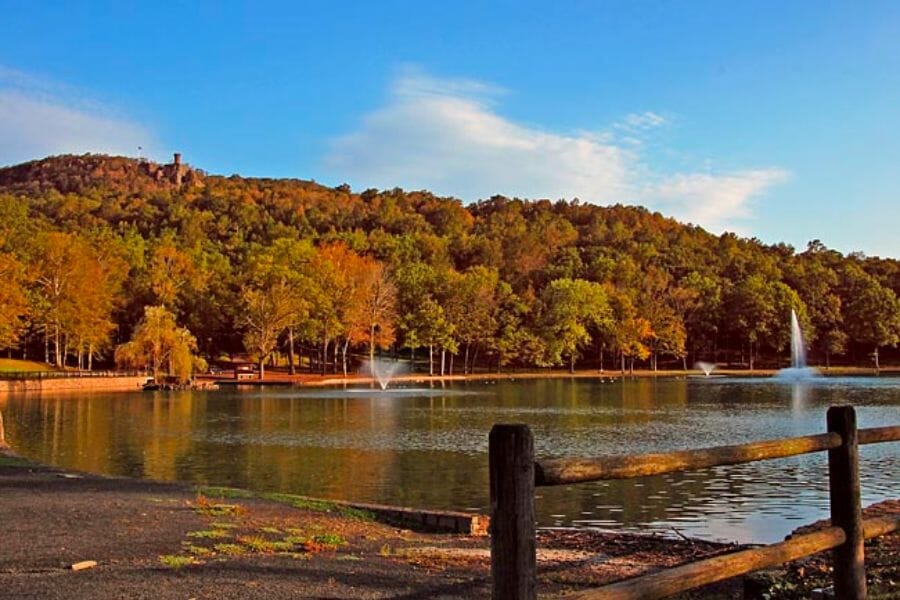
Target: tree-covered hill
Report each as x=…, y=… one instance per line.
x=268, y=266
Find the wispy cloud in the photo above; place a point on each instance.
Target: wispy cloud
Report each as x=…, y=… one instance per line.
x=40, y=117
x=718, y=202
x=446, y=135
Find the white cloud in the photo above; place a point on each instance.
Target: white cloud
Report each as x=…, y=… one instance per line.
x=446, y=136
x=717, y=202
x=40, y=118
x=643, y=121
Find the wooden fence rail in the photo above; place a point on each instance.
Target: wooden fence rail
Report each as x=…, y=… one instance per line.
x=514, y=474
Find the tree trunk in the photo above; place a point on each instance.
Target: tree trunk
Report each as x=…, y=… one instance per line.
x=751, y=356
x=56, y=346
x=684, y=362
x=324, y=366
x=90, y=357
x=631, y=366
x=877, y=366
x=622, y=355
x=601, y=358
x=372, y=345
x=291, y=369
x=443, y=360
x=452, y=356
x=466, y=360
x=431, y=360
x=262, y=367
x=344, y=354
x=572, y=363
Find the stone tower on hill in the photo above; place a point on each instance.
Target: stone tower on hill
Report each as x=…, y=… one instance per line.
x=176, y=173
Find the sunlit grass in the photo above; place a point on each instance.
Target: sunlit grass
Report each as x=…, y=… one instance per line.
x=12, y=365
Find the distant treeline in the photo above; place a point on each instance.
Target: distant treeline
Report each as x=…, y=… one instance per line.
x=95, y=250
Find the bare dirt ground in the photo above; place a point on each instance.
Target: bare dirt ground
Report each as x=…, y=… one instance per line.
x=161, y=540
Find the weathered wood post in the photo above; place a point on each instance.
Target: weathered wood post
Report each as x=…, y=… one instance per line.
x=846, y=510
x=513, y=552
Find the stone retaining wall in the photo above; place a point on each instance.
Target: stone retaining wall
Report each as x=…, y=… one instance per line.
x=69, y=384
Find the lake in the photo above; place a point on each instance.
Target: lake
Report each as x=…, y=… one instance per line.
x=427, y=447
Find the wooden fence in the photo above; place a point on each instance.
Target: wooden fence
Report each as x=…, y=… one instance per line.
x=514, y=473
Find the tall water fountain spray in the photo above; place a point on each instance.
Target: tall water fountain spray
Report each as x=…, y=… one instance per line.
x=798, y=349
x=798, y=368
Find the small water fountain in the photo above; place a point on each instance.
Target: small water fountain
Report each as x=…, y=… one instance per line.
x=705, y=367
x=383, y=371
x=798, y=368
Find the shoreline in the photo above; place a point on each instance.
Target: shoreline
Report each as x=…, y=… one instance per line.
x=76, y=385
x=175, y=540
x=144, y=538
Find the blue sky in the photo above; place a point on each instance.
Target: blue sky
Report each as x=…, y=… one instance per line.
x=779, y=120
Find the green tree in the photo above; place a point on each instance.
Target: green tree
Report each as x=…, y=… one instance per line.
x=872, y=311
x=569, y=309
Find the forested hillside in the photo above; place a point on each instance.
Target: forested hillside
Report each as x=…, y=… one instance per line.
x=92, y=246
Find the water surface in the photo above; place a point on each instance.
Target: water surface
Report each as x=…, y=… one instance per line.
x=428, y=447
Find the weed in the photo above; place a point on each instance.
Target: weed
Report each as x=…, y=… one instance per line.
x=296, y=540
x=232, y=549
x=209, y=534
x=329, y=539
x=225, y=492
x=198, y=550
x=176, y=561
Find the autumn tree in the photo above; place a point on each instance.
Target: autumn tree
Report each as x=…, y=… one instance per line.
x=159, y=345
x=75, y=294
x=13, y=300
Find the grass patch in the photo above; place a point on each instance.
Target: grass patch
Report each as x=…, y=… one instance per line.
x=13, y=365
x=176, y=561
x=198, y=550
x=209, y=534
x=300, y=502
x=231, y=549
x=222, y=525
x=330, y=539
x=272, y=530
x=224, y=492
x=314, y=505
x=296, y=540
x=15, y=461
x=207, y=507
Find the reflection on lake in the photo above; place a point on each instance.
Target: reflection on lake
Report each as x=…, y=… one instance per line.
x=428, y=448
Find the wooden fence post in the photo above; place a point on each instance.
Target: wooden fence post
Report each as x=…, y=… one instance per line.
x=846, y=510
x=513, y=552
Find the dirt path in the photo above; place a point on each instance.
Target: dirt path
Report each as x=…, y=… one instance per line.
x=162, y=540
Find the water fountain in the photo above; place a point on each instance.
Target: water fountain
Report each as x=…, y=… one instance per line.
x=798, y=368
x=705, y=367
x=383, y=371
